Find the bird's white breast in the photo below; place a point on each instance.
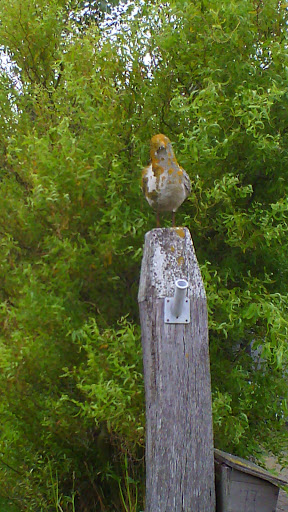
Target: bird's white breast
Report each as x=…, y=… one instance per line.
x=165, y=192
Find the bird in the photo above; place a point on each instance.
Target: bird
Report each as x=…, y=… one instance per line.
x=165, y=184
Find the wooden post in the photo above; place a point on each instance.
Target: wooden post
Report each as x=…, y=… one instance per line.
x=179, y=441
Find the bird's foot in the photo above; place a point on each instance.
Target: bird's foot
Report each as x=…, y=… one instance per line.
x=157, y=220
x=173, y=220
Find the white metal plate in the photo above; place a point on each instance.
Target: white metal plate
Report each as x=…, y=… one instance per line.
x=183, y=318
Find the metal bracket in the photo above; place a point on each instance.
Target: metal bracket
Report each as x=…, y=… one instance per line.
x=177, y=308
x=183, y=318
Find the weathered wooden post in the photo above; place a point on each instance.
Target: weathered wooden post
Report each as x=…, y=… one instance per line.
x=179, y=442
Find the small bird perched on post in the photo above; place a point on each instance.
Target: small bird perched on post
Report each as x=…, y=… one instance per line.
x=164, y=183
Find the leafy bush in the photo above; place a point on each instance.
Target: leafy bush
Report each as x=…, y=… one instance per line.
x=79, y=103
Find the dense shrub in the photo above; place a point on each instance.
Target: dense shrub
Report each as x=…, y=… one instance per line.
x=79, y=101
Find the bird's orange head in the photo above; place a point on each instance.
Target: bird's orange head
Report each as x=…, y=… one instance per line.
x=159, y=141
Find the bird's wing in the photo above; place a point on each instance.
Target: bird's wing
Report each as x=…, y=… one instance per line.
x=187, y=181
x=149, y=182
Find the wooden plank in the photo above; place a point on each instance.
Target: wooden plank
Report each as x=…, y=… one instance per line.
x=247, y=467
x=241, y=492
x=179, y=441
x=272, y=464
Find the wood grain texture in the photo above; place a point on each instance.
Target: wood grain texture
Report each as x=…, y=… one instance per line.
x=272, y=463
x=248, y=467
x=241, y=492
x=179, y=441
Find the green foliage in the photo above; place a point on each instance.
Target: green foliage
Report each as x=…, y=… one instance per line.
x=110, y=379
x=6, y=506
x=79, y=102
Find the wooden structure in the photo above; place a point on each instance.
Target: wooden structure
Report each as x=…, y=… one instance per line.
x=242, y=486
x=179, y=441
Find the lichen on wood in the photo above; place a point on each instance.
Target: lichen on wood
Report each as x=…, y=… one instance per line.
x=179, y=441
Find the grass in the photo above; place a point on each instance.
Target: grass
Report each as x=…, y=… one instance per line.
x=5, y=506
